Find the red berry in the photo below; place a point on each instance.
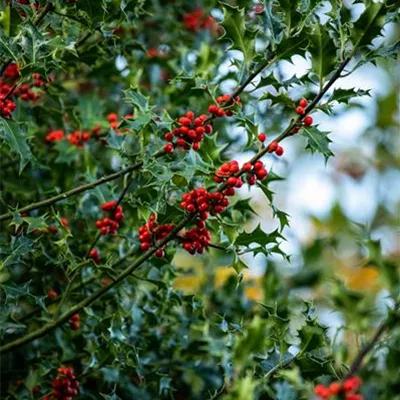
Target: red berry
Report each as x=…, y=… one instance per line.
x=279, y=151
x=308, y=120
x=104, y=230
x=168, y=148
x=272, y=147
x=208, y=128
x=303, y=103
x=190, y=114
x=213, y=109
x=75, y=325
x=251, y=180
x=300, y=110
x=75, y=317
x=93, y=253
x=168, y=137
x=112, y=117
x=145, y=246
x=190, y=208
x=220, y=112
x=261, y=174
x=52, y=294
x=262, y=137
x=354, y=396
x=160, y=253
x=352, y=383
x=184, y=121
x=335, y=388
x=231, y=181
x=258, y=165
x=322, y=391
x=247, y=167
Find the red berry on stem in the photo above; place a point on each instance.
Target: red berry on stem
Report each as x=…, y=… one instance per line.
x=303, y=103
x=247, y=166
x=272, y=147
x=145, y=246
x=262, y=137
x=160, y=253
x=168, y=148
x=308, y=120
x=300, y=110
x=279, y=151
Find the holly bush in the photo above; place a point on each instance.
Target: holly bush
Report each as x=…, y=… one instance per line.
x=137, y=139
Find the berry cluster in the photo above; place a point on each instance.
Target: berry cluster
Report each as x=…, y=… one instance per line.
x=25, y=93
x=196, y=239
x=95, y=256
x=200, y=201
x=226, y=101
x=78, y=138
x=189, y=134
x=74, y=321
x=301, y=109
x=151, y=232
x=54, y=136
x=274, y=147
x=254, y=171
x=224, y=174
x=109, y=225
x=197, y=20
x=7, y=106
x=346, y=390
x=112, y=119
x=65, y=385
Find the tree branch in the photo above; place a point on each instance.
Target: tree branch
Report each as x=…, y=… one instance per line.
x=79, y=189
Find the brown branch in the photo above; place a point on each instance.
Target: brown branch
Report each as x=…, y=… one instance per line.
x=79, y=189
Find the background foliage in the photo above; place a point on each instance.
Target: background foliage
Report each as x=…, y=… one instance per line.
x=291, y=295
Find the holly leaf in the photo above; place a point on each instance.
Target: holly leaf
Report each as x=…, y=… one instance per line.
x=323, y=52
x=291, y=15
x=15, y=136
x=369, y=25
x=257, y=236
x=236, y=33
x=317, y=141
x=290, y=47
x=345, y=95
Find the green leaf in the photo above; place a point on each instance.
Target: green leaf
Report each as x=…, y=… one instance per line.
x=291, y=15
x=369, y=25
x=317, y=141
x=236, y=33
x=290, y=47
x=323, y=52
x=14, y=135
x=257, y=236
x=345, y=95
x=5, y=20
x=273, y=26
x=134, y=97
x=285, y=391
